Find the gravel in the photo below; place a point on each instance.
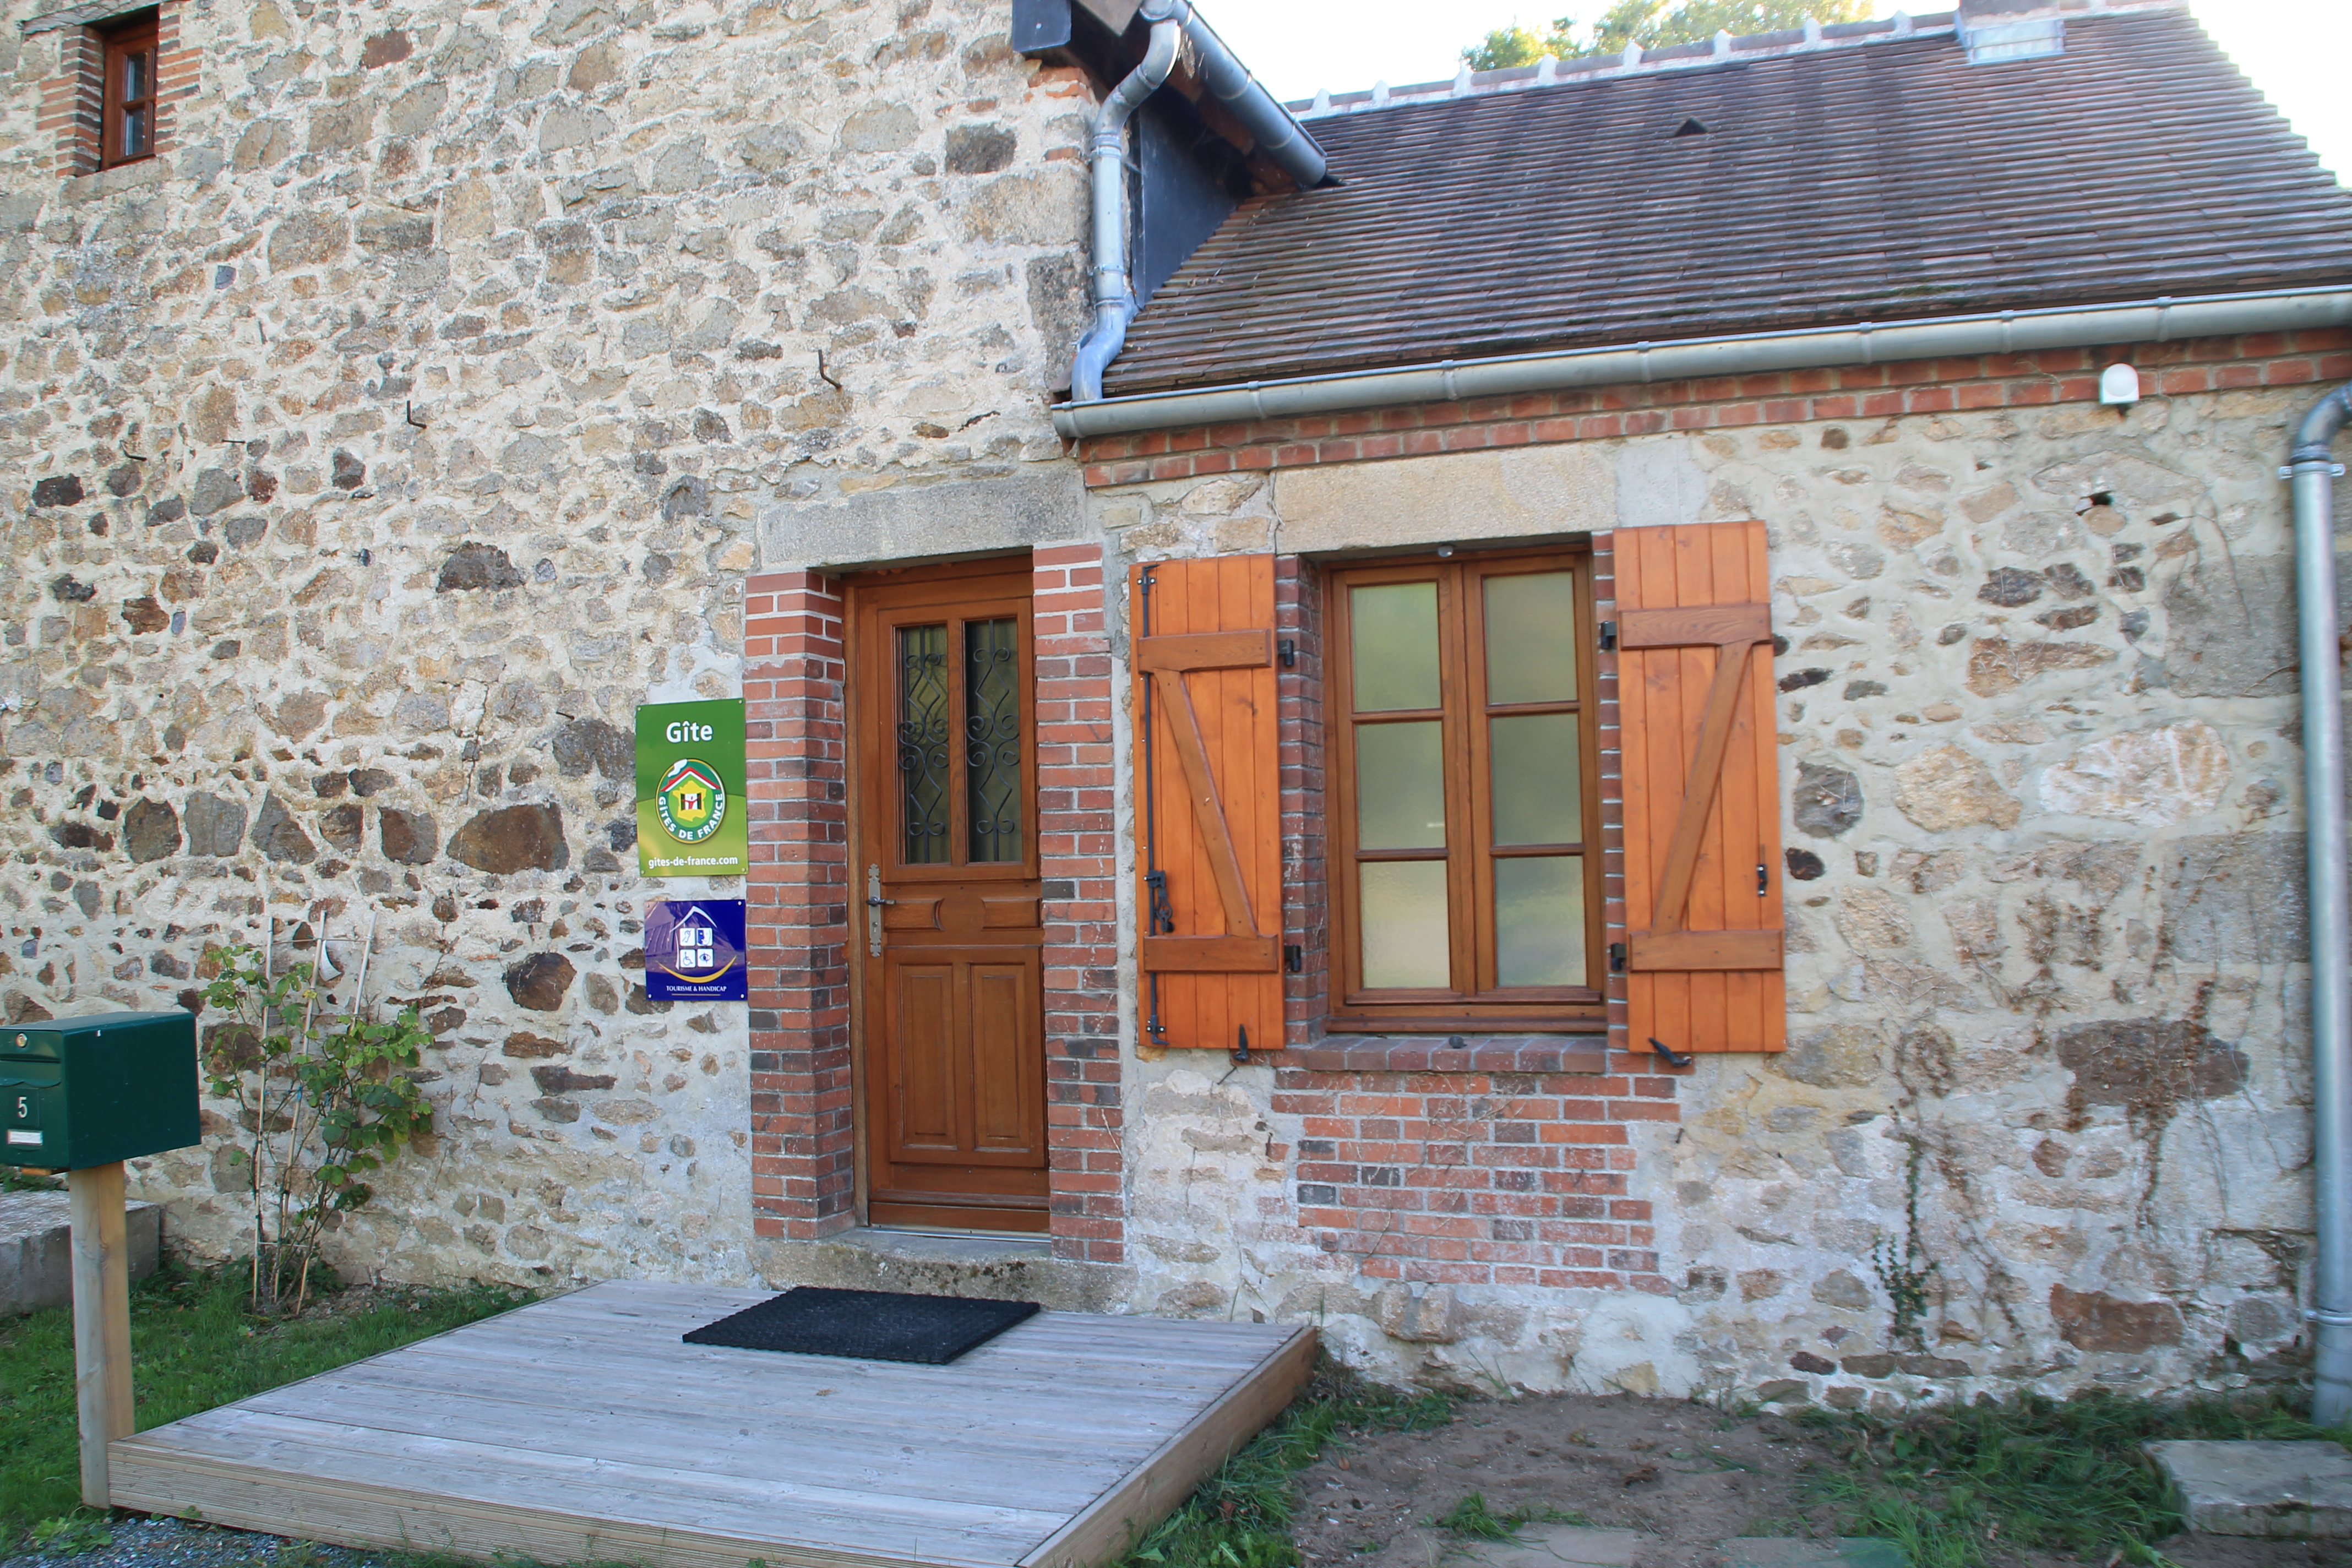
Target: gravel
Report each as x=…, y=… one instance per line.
x=158, y=1542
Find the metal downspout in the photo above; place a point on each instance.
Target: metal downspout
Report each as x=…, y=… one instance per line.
x=1114, y=293
x=2313, y=471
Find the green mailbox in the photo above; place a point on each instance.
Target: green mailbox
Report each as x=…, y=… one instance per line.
x=78, y=1092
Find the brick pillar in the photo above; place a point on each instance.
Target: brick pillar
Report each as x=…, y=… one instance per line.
x=72, y=102
x=1077, y=841
x=1613, y=787
x=803, y=1155
x=1299, y=703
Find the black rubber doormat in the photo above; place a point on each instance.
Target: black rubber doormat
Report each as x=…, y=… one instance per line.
x=865, y=1325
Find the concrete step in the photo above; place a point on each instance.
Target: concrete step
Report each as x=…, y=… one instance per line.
x=2279, y=1491
x=1848, y=1552
x=37, y=1249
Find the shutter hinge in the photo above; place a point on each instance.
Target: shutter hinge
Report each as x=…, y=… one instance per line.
x=1286, y=650
x=1763, y=879
x=1616, y=958
x=1294, y=958
x=1607, y=637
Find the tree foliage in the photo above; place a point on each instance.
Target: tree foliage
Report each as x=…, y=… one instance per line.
x=1653, y=24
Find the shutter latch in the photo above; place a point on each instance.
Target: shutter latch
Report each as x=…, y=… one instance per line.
x=1671, y=1058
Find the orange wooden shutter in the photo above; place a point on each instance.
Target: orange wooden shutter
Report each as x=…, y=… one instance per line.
x=1210, y=937
x=1702, y=789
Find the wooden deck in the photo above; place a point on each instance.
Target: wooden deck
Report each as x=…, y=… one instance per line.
x=581, y=1429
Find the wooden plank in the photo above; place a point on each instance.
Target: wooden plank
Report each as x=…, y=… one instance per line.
x=102, y=1320
x=1123, y=1516
x=1205, y=650
x=357, y=1514
x=1686, y=625
x=673, y=1494
x=1714, y=951
x=1211, y=954
x=1699, y=787
x=1216, y=836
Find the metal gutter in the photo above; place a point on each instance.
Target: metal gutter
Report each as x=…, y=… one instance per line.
x=1276, y=130
x=2313, y=469
x=1876, y=342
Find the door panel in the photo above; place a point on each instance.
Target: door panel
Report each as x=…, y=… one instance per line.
x=946, y=815
x=922, y=1034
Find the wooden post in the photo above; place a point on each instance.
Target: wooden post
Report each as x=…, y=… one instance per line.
x=101, y=1308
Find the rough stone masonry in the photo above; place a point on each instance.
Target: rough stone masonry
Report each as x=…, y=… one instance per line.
x=2045, y=1119
x=376, y=450
x=373, y=452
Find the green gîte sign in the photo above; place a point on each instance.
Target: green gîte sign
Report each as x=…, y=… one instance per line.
x=692, y=819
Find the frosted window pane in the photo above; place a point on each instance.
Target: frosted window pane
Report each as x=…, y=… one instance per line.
x=1394, y=631
x=1531, y=638
x=1538, y=784
x=1399, y=787
x=1539, y=922
x=1405, y=925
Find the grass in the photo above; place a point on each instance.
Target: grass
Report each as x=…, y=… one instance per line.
x=1240, y=1517
x=193, y=1346
x=1954, y=1484
x=1472, y=1517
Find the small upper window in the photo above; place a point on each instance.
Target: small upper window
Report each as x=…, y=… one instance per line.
x=129, y=132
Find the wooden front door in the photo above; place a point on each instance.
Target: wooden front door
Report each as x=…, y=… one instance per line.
x=946, y=869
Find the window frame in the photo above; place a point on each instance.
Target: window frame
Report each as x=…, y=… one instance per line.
x=118, y=43
x=1469, y=854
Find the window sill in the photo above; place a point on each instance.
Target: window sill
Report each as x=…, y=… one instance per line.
x=1586, y=1053
x=147, y=170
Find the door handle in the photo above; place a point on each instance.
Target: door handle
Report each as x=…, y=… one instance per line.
x=875, y=900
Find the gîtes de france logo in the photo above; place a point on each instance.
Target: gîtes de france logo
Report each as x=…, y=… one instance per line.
x=691, y=800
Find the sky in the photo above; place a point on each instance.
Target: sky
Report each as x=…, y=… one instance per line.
x=2299, y=52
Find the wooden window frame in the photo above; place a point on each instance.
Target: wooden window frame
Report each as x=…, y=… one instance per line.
x=1469, y=854
x=117, y=43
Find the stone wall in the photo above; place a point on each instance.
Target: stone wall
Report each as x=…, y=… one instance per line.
x=375, y=451
x=2044, y=1116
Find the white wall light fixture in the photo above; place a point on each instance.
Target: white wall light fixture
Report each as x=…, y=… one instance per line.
x=2119, y=384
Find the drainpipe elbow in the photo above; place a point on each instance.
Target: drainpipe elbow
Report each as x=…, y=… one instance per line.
x=2315, y=436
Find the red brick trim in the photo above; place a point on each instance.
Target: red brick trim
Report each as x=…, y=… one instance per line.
x=73, y=101
x=1077, y=832
x=1299, y=704
x=1850, y=392
x=1473, y=1053
x=804, y=1149
x=1610, y=741
x=1478, y=1178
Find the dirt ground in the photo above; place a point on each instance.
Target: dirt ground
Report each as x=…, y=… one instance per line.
x=1687, y=1474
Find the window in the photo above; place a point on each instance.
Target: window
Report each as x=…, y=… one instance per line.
x=127, y=133
x=1465, y=823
